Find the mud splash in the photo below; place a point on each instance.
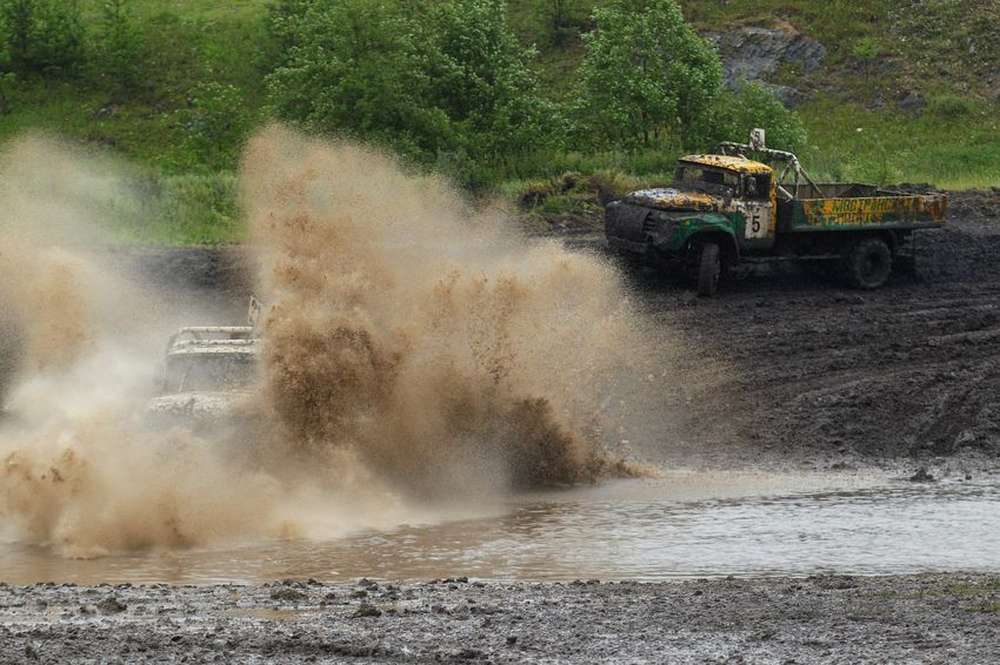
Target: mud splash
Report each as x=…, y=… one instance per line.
x=415, y=350
x=81, y=339
x=446, y=351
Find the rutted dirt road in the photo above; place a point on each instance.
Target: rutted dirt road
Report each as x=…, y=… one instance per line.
x=827, y=377
x=932, y=618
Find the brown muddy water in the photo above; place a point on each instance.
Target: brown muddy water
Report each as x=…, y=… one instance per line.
x=686, y=524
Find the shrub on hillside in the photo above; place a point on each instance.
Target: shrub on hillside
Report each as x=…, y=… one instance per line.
x=7, y=82
x=217, y=123
x=483, y=80
x=734, y=114
x=360, y=68
x=949, y=106
x=45, y=36
x=562, y=20
x=447, y=83
x=283, y=29
x=120, y=45
x=646, y=74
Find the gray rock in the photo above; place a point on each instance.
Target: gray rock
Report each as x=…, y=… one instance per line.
x=912, y=101
x=366, y=610
x=965, y=438
x=922, y=476
x=788, y=95
x=288, y=595
x=755, y=54
x=111, y=605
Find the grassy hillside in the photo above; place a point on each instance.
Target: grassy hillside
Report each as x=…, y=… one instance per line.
x=201, y=91
x=946, y=53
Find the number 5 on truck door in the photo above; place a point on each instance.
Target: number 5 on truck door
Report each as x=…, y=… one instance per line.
x=758, y=222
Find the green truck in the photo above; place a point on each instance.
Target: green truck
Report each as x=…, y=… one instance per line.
x=748, y=203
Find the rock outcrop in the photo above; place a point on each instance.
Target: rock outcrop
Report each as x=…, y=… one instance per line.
x=755, y=54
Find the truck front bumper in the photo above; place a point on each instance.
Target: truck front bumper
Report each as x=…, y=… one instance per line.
x=639, y=230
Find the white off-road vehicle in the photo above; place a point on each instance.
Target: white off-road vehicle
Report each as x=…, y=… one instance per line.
x=209, y=373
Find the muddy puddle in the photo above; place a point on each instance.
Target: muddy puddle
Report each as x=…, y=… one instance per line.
x=686, y=524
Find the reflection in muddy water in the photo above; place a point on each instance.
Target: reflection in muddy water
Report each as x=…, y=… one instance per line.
x=683, y=525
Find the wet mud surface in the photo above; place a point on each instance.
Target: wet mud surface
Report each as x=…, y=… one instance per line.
x=820, y=376
x=783, y=369
x=786, y=368
x=827, y=619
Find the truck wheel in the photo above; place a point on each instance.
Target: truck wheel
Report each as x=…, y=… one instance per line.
x=869, y=264
x=709, y=269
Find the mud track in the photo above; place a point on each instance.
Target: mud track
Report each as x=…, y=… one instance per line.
x=827, y=377
x=803, y=371
x=921, y=619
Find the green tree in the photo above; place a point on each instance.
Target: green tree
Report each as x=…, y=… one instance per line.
x=217, y=123
x=447, y=80
x=60, y=37
x=8, y=80
x=120, y=50
x=483, y=80
x=561, y=20
x=283, y=29
x=18, y=20
x=646, y=74
x=45, y=36
x=360, y=68
x=734, y=114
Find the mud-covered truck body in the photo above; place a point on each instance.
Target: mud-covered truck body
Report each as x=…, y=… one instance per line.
x=726, y=208
x=208, y=375
x=208, y=372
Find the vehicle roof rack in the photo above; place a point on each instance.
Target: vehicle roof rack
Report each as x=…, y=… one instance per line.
x=757, y=146
x=208, y=338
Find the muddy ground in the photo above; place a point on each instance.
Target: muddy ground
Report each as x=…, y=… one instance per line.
x=828, y=377
x=798, y=372
x=925, y=619
x=785, y=368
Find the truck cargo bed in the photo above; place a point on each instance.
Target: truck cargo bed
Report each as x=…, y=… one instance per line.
x=854, y=206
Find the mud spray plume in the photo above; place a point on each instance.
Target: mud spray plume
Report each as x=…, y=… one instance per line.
x=77, y=469
x=448, y=352
x=413, y=347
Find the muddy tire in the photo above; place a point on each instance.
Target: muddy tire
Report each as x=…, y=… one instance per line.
x=709, y=269
x=868, y=264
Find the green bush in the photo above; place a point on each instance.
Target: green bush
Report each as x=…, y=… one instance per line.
x=45, y=36
x=359, y=68
x=562, y=20
x=483, y=81
x=646, y=74
x=950, y=107
x=180, y=209
x=736, y=113
x=7, y=82
x=866, y=49
x=448, y=84
x=120, y=45
x=284, y=30
x=217, y=123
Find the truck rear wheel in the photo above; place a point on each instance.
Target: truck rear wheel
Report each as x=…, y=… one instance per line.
x=869, y=263
x=709, y=269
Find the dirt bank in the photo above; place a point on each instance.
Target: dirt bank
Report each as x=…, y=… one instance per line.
x=922, y=619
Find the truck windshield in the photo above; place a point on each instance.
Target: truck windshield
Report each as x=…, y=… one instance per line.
x=209, y=372
x=715, y=181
